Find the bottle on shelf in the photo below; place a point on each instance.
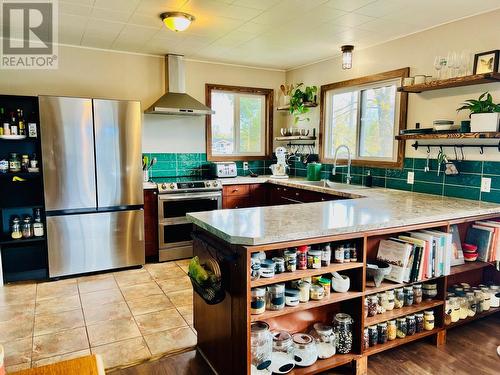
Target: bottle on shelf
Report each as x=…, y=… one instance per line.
x=2, y=116
x=38, y=230
x=21, y=125
x=14, y=130
x=5, y=124
x=15, y=228
x=32, y=128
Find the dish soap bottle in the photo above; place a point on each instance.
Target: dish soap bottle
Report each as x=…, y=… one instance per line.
x=368, y=179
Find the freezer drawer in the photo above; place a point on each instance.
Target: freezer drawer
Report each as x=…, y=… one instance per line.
x=94, y=242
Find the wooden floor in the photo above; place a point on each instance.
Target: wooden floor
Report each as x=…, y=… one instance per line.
x=470, y=349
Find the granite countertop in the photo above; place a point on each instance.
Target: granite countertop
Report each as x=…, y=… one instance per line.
x=149, y=185
x=371, y=209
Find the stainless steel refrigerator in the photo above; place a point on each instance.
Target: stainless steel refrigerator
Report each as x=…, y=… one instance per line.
x=92, y=173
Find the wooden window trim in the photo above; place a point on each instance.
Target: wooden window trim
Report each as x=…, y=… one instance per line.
x=403, y=109
x=269, y=94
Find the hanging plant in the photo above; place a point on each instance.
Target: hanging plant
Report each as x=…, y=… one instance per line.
x=300, y=99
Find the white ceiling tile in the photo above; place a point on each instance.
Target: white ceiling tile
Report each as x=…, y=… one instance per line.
x=286, y=11
x=213, y=8
x=381, y=8
x=143, y=19
x=348, y=5
x=111, y=15
x=71, y=28
x=75, y=9
x=155, y=7
x=320, y=13
x=255, y=28
x=124, y=5
x=353, y=20
x=101, y=34
x=133, y=37
x=257, y=4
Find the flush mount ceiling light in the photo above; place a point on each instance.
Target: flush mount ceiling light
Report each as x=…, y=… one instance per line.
x=177, y=21
x=347, y=56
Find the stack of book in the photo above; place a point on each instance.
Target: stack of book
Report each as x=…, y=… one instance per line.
x=417, y=256
x=486, y=236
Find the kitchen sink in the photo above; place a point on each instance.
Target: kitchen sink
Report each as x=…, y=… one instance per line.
x=332, y=185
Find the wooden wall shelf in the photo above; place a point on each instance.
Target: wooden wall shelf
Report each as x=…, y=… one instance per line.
x=388, y=285
x=287, y=107
x=406, y=310
x=322, y=365
x=397, y=342
x=491, y=311
x=469, y=266
x=483, y=135
x=475, y=79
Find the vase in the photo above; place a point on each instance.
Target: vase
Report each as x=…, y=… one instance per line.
x=484, y=122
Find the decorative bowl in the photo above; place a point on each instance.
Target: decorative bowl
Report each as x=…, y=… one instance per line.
x=377, y=270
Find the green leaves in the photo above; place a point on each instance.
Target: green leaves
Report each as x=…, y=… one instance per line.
x=480, y=105
x=298, y=100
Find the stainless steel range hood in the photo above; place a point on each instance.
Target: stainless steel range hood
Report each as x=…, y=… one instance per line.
x=175, y=101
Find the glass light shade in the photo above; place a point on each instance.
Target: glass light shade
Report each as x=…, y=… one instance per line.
x=347, y=60
x=177, y=21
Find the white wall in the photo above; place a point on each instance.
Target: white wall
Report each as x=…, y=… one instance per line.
x=476, y=34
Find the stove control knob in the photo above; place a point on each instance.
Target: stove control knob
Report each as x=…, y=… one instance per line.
x=216, y=183
x=207, y=183
x=172, y=186
x=163, y=186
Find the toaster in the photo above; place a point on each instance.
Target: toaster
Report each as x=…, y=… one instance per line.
x=224, y=169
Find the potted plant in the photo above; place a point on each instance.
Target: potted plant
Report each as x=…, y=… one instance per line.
x=299, y=100
x=484, y=114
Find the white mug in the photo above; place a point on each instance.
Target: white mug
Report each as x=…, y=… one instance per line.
x=408, y=81
x=419, y=79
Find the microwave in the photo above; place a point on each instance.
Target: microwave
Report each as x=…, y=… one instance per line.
x=224, y=169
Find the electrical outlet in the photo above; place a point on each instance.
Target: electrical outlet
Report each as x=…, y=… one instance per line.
x=410, y=178
x=245, y=165
x=485, y=184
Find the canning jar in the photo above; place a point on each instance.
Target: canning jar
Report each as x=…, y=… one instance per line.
x=494, y=301
x=283, y=359
x=261, y=343
x=290, y=260
x=479, y=300
x=408, y=295
x=419, y=319
x=455, y=309
x=486, y=304
x=255, y=267
x=267, y=268
x=325, y=340
x=304, y=288
x=429, y=291
x=354, y=252
x=339, y=254
x=365, y=307
x=447, y=311
x=464, y=307
x=401, y=328
x=391, y=330
x=279, y=265
x=366, y=338
x=317, y=292
x=342, y=324
x=372, y=335
x=326, y=284
x=314, y=259
x=399, y=298
x=326, y=255
x=472, y=303
x=275, y=297
x=291, y=297
x=302, y=257
x=27, y=228
x=372, y=305
x=305, y=349
x=411, y=325
x=428, y=320
x=382, y=302
x=258, y=301
x=390, y=300
x=382, y=333
x=347, y=253
x=417, y=293
x=15, y=228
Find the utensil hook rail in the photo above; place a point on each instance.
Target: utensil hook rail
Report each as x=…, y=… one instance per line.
x=416, y=145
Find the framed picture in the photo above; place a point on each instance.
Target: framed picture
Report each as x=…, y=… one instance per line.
x=486, y=62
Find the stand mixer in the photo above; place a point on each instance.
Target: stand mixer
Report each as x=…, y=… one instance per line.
x=279, y=169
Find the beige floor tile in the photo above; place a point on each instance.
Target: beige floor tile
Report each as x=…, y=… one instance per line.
x=12, y=311
x=55, y=305
x=112, y=330
x=149, y=304
x=123, y=352
x=159, y=321
x=141, y=290
x=99, y=276
x=17, y=328
x=169, y=273
x=181, y=298
x=174, y=285
x=187, y=313
x=183, y=264
x=54, y=344
x=160, y=271
x=62, y=357
x=101, y=297
x=109, y=311
x=17, y=294
x=19, y=367
x=52, y=323
x=18, y=352
x=54, y=289
x=132, y=277
x=87, y=286
x=171, y=341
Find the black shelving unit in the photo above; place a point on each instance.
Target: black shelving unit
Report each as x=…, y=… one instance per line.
x=22, y=259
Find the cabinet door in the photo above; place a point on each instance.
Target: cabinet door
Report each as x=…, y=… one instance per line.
x=235, y=202
x=258, y=195
x=151, y=223
x=235, y=190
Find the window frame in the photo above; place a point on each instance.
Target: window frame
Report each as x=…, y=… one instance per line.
x=268, y=131
x=400, y=113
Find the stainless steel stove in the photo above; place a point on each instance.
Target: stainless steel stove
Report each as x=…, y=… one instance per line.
x=176, y=197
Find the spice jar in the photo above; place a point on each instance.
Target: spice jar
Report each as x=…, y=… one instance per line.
x=428, y=320
x=347, y=253
x=372, y=335
x=290, y=260
x=314, y=259
x=417, y=293
x=382, y=333
x=411, y=325
x=14, y=163
x=326, y=284
x=354, y=253
x=279, y=265
x=401, y=328
x=261, y=344
x=419, y=319
x=339, y=254
x=267, y=268
x=391, y=330
x=291, y=297
x=408, y=295
x=254, y=267
x=302, y=257
x=342, y=324
x=366, y=338
x=390, y=300
x=305, y=349
x=27, y=227
x=429, y=291
x=317, y=292
x=304, y=288
x=326, y=255
x=398, y=298
x=15, y=228
x=365, y=307
x=372, y=305
x=486, y=304
x=382, y=302
x=325, y=340
x=258, y=301
x=275, y=297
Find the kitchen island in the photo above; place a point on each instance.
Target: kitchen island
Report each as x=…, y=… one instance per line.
x=364, y=217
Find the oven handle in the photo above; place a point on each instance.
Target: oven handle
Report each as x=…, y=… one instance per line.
x=189, y=196
x=174, y=221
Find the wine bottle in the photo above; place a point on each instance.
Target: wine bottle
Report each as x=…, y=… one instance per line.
x=21, y=126
x=13, y=124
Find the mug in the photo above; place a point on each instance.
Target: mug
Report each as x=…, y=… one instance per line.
x=419, y=79
x=408, y=81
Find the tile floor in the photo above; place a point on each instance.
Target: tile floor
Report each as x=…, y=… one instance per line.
x=127, y=317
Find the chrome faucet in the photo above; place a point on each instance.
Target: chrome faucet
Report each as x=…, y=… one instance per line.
x=348, y=177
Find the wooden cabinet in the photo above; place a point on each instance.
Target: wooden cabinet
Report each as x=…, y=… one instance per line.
x=151, y=224
x=287, y=195
x=245, y=195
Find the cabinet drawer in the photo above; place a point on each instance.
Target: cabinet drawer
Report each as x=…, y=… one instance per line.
x=235, y=202
x=235, y=190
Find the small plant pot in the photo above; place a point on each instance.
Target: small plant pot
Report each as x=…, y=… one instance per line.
x=484, y=122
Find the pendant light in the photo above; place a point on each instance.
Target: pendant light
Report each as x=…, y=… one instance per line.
x=177, y=21
x=347, y=56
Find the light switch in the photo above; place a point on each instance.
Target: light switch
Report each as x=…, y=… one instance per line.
x=485, y=184
x=410, y=178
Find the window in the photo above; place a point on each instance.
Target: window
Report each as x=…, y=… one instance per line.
x=241, y=127
x=364, y=114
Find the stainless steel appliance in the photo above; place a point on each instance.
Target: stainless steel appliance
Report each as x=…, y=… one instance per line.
x=91, y=156
x=224, y=169
x=176, y=197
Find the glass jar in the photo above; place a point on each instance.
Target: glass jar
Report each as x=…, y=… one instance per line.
x=419, y=319
x=302, y=257
x=347, y=253
x=342, y=324
x=408, y=295
x=38, y=230
x=372, y=305
x=455, y=310
x=472, y=303
x=365, y=307
x=391, y=330
x=255, y=266
x=354, y=252
x=382, y=333
x=15, y=228
x=291, y=297
x=305, y=349
x=304, y=290
x=275, y=297
x=326, y=255
x=316, y=292
x=339, y=254
x=14, y=163
x=411, y=325
x=494, y=301
x=486, y=304
x=401, y=328
x=448, y=309
x=428, y=320
x=261, y=343
x=27, y=227
x=326, y=284
x=390, y=300
x=283, y=359
x=382, y=302
x=372, y=335
x=479, y=300
x=464, y=307
x=290, y=260
x=314, y=259
x=279, y=265
x=25, y=162
x=257, y=301
x=417, y=293
x=325, y=340
x=429, y=291
x=399, y=298
x=267, y=268
x=366, y=338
